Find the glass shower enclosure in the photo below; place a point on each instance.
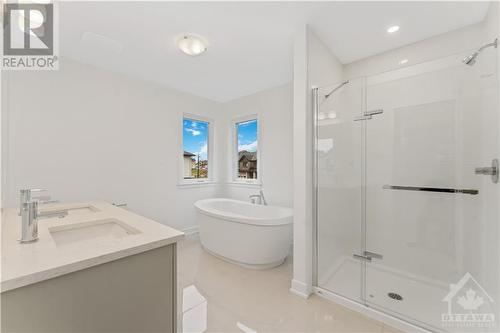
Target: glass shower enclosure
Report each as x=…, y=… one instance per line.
x=406, y=223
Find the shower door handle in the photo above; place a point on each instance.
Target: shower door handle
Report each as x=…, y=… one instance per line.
x=363, y=258
x=367, y=115
x=362, y=118
x=373, y=255
x=373, y=112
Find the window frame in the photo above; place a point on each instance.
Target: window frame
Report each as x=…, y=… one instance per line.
x=234, y=152
x=210, y=159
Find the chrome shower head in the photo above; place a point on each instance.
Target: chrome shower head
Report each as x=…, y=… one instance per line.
x=471, y=59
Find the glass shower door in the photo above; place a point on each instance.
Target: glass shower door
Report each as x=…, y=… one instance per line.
x=430, y=219
x=339, y=190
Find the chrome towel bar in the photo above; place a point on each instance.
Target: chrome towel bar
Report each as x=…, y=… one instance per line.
x=430, y=189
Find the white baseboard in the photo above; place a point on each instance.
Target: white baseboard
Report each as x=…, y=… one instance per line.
x=191, y=232
x=300, y=289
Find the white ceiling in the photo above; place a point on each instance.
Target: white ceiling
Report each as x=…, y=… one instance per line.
x=250, y=42
x=356, y=30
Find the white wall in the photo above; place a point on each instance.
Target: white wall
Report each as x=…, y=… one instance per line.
x=3, y=141
x=493, y=30
x=302, y=214
x=468, y=38
x=86, y=134
x=274, y=110
x=323, y=66
x=489, y=248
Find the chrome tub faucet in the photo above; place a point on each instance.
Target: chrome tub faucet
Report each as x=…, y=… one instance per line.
x=258, y=199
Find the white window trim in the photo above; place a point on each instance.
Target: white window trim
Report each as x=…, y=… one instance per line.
x=210, y=149
x=234, y=153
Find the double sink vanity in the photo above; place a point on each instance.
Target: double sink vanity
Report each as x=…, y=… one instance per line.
x=90, y=267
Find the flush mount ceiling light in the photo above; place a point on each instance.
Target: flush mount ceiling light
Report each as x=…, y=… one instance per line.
x=393, y=29
x=192, y=44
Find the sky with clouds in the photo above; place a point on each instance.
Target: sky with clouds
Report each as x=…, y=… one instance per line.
x=195, y=137
x=247, y=135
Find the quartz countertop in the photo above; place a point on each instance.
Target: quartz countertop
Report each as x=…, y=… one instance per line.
x=25, y=264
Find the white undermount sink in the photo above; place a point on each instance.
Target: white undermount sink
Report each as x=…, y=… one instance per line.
x=72, y=210
x=91, y=231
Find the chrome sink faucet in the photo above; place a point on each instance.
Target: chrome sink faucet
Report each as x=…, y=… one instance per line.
x=30, y=215
x=258, y=199
x=25, y=196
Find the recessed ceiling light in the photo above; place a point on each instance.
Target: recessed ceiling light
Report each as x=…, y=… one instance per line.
x=404, y=61
x=191, y=44
x=393, y=29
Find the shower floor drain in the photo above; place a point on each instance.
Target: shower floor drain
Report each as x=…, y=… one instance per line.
x=395, y=296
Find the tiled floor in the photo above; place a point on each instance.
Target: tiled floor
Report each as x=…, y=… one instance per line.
x=216, y=296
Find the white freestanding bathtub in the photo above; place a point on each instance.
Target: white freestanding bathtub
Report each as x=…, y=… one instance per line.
x=254, y=236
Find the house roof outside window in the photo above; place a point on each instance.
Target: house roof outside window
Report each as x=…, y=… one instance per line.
x=250, y=156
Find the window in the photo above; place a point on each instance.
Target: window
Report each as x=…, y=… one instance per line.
x=246, y=152
x=195, y=144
